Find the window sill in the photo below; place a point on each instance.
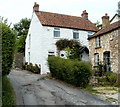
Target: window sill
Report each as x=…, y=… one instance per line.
x=56, y=37
x=76, y=39
x=98, y=47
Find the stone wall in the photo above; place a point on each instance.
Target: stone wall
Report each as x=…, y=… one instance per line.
x=109, y=42
x=19, y=59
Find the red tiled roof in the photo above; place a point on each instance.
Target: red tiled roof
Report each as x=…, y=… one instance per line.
x=107, y=29
x=65, y=21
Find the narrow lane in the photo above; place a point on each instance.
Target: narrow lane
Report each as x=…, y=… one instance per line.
x=32, y=89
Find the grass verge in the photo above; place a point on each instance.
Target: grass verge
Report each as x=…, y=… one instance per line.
x=91, y=90
x=8, y=97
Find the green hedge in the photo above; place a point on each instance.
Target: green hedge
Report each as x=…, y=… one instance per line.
x=8, y=46
x=33, y=68
x=8, y=97
x=73, y=72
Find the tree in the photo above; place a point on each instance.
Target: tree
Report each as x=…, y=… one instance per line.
x=22, y=29
x=20, y=44
x=118, y=8
x=8, y=44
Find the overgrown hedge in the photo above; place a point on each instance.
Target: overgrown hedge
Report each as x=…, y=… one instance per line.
x=73, y=72
x=33, y=68
x=8, y=97
x=109, y=78
x=8, y=46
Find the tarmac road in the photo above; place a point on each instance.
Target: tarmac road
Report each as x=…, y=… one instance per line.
x=34, y=89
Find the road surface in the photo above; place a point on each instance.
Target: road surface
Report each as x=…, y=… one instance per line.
x=34, y=89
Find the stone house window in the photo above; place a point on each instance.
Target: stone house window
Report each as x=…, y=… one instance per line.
x=75, y=35
x=96, y=59
x=56, y=32
x=98, y=42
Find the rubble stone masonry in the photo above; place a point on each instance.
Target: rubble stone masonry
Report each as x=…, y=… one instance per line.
x=109, y=42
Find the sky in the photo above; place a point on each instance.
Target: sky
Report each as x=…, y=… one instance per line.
x=15, y=10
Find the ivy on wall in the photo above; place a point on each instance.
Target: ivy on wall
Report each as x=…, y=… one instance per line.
x=71, y=46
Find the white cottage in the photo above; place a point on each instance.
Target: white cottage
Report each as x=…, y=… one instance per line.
x=46, y=28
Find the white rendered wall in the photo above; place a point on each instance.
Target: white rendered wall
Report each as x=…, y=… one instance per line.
x=115, y=19
x=43, y=41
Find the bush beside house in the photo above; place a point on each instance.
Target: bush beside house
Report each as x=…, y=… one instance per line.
x=107, y=78
x=33, y=68
x=73, y=72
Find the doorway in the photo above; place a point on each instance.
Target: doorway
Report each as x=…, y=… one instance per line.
x=106, y=60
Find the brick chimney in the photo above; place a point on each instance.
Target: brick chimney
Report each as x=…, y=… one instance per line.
x=36, y=7
x=84, y=15
x=105, y=20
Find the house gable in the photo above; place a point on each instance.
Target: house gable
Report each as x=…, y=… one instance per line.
x=106, y=29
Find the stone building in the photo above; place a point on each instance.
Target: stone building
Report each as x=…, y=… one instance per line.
x=104, y=46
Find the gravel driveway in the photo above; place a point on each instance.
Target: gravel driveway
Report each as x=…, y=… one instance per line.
x=33, y=89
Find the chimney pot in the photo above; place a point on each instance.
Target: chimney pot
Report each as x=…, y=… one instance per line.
x=36, y=7
x=84, y=15
x=105, y=20
x=106, y=14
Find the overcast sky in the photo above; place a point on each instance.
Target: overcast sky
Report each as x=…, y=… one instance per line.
x=15, y=10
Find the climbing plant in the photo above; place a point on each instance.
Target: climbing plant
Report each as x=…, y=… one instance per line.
x=71, y=46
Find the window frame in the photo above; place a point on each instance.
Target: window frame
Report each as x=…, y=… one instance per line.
x=74, y=36
x=96, y=59
x=98, y=42
x=57, y=30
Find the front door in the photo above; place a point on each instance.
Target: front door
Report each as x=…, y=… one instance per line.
x=107, y=61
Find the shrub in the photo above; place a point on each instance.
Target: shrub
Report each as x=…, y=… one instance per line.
x=8, y=97
x=33, y=68
x=8, y=45
x=111, y=77
x=73, y=72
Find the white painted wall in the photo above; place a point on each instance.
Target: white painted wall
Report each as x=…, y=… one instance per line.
x=116, y=18
x=43, y=41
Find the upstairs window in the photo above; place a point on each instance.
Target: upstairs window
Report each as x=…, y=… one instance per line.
x=56, y=32
x=96, y=59
x=98, y=42
x=75, y=35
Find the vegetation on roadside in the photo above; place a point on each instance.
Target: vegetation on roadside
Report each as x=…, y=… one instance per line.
x=109, y=78
x=104, y=92
x=8, y=97
x=105, y=77
x=8, y=46
x=74, y=72
x=33, y=68
x=91, y=90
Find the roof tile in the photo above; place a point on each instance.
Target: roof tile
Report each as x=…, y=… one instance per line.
x=107, y=29
x=65, y=21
